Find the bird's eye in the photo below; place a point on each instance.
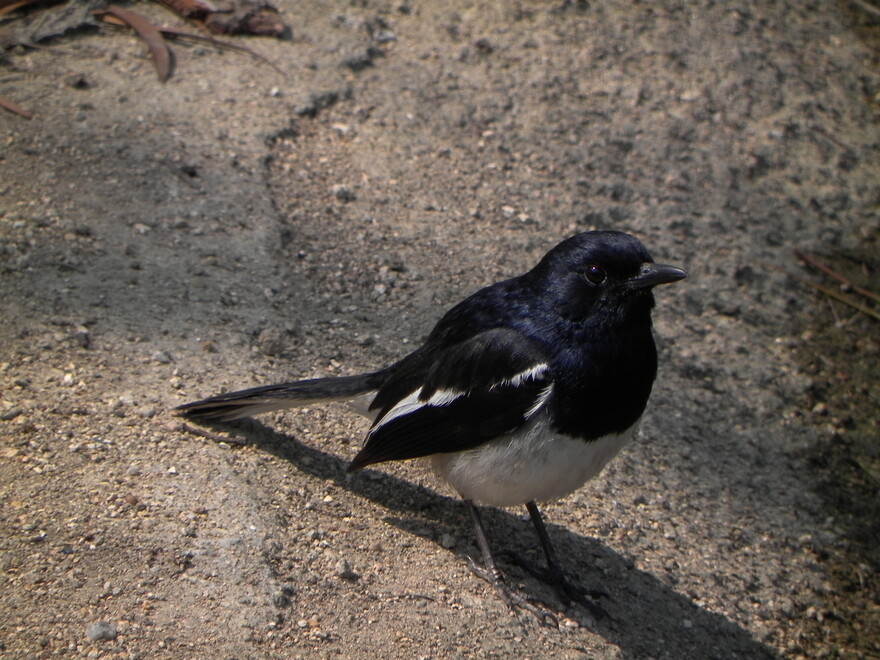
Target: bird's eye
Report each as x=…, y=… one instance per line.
x=595, y=274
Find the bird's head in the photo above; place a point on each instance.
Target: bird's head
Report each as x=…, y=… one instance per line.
x=609, y=271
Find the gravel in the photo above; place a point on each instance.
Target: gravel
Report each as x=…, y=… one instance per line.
x=723, y=135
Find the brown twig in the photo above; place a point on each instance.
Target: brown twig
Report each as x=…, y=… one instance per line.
x=174, y=33
x=832, y=293
x=14, y=107
x=148, y=32
x=815, y=263
x=866, y=7
x=846, y=300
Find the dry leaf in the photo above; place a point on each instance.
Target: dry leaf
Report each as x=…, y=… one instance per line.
x=148, y=32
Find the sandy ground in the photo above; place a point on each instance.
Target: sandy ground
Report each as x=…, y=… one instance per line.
x=234, y=227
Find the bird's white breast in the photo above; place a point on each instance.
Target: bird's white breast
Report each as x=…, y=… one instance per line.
x=532, y=464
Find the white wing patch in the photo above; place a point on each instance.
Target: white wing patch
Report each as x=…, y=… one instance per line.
x=405, y=406
x=412, y=402
x=443, y=397
x=529, y=374
x=540, y=401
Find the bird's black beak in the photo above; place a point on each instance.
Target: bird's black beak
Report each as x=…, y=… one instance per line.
x=653, y=274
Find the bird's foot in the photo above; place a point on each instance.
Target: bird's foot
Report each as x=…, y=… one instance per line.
x=511, y=597
x=567, y=589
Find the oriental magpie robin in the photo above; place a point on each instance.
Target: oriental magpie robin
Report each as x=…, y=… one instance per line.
x=521, y=393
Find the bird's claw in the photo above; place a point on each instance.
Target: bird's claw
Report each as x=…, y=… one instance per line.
x=568, y=590
x=511, y=597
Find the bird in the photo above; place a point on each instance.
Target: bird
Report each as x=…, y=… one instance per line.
x=520, y=394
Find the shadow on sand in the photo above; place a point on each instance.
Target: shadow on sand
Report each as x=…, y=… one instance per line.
x=647, y=618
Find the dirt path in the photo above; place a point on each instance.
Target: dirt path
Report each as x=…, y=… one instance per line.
x=234, y=227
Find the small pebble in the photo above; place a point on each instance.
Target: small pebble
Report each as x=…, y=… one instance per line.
x=161, y=357
x=146, y=411
x=10, y=414
x=101, y=630
x=271, y=341
x=343, y=193
x=343, y=570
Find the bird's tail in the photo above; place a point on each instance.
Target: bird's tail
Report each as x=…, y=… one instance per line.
x=244, y=403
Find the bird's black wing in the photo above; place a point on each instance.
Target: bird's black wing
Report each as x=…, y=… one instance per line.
x=458, y=397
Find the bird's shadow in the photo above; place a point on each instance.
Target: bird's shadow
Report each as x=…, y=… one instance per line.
x=647, y=617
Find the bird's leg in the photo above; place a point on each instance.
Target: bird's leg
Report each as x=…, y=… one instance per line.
x=554, y=574
x=493, y=575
